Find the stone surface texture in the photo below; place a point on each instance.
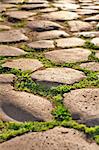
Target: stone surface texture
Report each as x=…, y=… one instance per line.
x=49, y=63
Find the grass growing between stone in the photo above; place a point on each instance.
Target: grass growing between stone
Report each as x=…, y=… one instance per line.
x=62, y=116
x=11, y=129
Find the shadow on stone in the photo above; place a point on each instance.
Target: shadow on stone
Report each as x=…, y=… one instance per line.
x=18, y=113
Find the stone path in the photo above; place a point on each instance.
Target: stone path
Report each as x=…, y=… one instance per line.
x=55, y=42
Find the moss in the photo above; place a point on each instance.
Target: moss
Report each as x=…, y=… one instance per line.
x=62, y=116
x=20, y=24
x=90, y=45
x=11, y=129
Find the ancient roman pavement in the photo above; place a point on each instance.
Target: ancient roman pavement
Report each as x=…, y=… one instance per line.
x=49, y=75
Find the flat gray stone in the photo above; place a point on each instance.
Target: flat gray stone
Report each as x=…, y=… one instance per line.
x=54, y=34
x=19, y=14
x=61, y=16
x=94, y=66
x=68, y=55
x=84, y=103
x=23, y=106
x=24, y=64
x=12, y=36
x=67, y=139
x=42, y=44
x=43, y=25
x=6, y=78
x=88, y=34
x=95, y=41
x=34, y=6
x=55, y=76
x=11, y=51
x=69, y=42
x=79, y=26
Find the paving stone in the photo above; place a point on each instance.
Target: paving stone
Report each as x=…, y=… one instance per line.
x=24, y=64
x=86, y=11
x=68, y=55
x=34, y=6
x=13, y=1
x=66, y=6
x=6, y=78
x=67, y=139
x=46, y=10
x=61, y=16
x=7, y=5
x=94, y=66
x=84, y=103
x=97, y=54
x=42, y=44
x=95, y=41
x=62, y=1
x=3, y=7
x=36, y=2
x=88, y=34
x=97, y=26
x=12, y=36
x=19, y=14
x=52, y=34
x=79, y=26
x=43, y=25
x=55, y=76
x=10, y=51
x=69, y=42
x=23, y=106
x=92, y=18
x=4, y=27
x=92, y=7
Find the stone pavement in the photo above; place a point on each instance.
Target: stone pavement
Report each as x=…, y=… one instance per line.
x=64, y=33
